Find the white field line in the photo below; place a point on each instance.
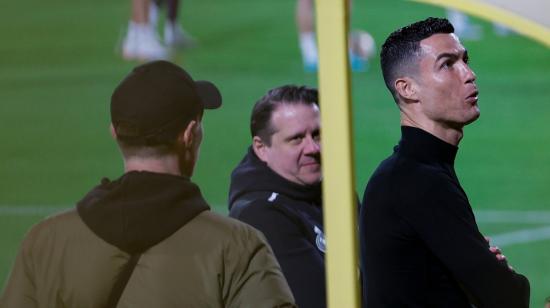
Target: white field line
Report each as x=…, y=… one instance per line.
x=524, y=217
x=521, y=236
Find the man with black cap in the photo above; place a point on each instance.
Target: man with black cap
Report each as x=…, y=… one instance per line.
x=148, y=239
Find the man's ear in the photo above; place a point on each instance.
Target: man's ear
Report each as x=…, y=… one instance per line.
x=406, y=88
x=260, y=148
x=188, y=136
x=113, y=131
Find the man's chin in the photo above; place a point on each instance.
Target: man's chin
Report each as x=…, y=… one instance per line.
x=473, y=118
x=312, y=179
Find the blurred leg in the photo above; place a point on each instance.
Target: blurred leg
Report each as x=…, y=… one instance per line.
x=172, y=7
x=141, y=42
x=174, y=35
x=306, y=34
x=140, y=11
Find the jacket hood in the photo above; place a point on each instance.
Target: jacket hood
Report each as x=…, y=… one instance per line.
x=140, y=209
x=253, y=175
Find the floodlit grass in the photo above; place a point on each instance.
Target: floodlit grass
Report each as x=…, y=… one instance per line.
x=58, y=67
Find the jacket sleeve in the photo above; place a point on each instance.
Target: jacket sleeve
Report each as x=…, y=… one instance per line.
x=20, y=290
x=252, y=277
x=446, y=224
x=302, y=263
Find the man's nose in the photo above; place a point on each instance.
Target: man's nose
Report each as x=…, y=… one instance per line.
x=470, y=75
x=312, y=146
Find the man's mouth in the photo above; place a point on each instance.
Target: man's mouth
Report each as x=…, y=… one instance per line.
x=311, y=163
x=473, y=97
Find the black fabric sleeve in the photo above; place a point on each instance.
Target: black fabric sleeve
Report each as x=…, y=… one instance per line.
x=443, y=219
x=300, y=260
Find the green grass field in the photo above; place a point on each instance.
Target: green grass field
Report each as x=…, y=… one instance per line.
x=59, y=65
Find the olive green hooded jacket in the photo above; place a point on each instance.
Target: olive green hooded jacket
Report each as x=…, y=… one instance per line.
x=188, y=255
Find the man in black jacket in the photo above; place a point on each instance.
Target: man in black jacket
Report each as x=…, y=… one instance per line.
x=277, y=187
x=420, y=243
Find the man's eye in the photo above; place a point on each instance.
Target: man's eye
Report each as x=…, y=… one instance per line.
x=296, y=139
x=447, y=64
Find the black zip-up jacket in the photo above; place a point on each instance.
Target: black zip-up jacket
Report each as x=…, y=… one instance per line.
x=291, y=218
x=420, y=243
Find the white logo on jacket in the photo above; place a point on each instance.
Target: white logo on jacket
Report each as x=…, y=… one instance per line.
x=320, y=239
x=272, y=197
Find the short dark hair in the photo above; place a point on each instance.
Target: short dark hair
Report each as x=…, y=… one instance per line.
x=260, y=121
x=402, y=48
x=153, y=148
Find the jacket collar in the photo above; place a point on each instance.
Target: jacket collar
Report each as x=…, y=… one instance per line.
x=140, y=209
x=424, y=146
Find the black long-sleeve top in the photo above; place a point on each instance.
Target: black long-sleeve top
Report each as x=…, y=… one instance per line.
x=420, y=244
x=291, y=218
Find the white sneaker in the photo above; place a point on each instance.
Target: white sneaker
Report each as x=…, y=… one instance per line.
x=142, y=44
x=175, y=36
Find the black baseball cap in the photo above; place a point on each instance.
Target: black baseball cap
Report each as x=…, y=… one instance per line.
x=156, y=101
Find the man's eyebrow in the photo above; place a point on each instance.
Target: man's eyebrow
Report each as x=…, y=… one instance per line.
x=453, y=55
x=450, y=55
x=297, y=134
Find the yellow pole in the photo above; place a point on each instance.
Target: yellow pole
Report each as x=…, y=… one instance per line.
x=337, y=154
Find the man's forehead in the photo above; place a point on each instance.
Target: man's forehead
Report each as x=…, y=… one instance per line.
x=292, y=113
x=289, y=108
x=440, y=43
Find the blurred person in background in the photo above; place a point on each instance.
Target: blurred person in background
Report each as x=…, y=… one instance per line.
x=174, y=35
x=467, y=30
x=361, y=48
x=141, y=42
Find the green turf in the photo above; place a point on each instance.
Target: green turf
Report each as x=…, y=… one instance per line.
x=58, y=67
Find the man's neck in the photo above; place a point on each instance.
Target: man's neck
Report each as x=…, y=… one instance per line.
x=448, y=134
x=168, y=165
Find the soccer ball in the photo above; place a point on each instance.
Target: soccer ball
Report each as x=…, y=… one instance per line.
x=362, y=44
